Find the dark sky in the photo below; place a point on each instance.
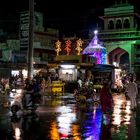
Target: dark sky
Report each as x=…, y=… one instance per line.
x=69, y=16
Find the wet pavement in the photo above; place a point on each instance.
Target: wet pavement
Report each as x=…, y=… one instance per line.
x=62, y=118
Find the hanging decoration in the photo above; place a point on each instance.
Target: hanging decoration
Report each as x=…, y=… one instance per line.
x=94, y=49
x=68, y=47
x=79, y=49
x=58, y=47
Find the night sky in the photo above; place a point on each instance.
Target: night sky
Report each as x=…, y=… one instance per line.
x=69, y=17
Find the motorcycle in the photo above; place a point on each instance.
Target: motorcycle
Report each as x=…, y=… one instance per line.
x=16, y=112
x=15, y=104
x=28, y=102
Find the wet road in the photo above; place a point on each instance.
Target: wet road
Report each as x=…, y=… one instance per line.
x=63, y=119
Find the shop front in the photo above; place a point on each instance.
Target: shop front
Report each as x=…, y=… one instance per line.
x=68, y=72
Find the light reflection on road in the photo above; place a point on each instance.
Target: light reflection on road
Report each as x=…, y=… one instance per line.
x=74, y=122
x=64, y=119
x=121, y=117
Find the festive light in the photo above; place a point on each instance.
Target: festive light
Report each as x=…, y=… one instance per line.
x=68, y=46
x=58, y=47
x=78, y=46
x=94, y=49
x=96, y=31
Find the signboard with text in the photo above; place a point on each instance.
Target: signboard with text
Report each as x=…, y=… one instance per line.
x=24, y=29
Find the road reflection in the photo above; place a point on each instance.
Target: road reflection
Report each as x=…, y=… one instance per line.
x=75, y=123
x=123, y=119
x=64, y=119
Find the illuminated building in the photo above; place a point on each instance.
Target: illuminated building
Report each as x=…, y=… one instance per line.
x=96, y=50
x=121, y=36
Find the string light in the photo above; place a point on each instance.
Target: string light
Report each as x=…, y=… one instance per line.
x=58, y=47
x=78, y=46
x=68, y=46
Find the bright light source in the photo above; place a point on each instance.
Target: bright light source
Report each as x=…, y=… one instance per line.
x=67, y=66
x=17, y=133
x=115, y=64
x=19, y=91
x=15, y=72
x=67, y=71
x=24, y=72
x=96, y=31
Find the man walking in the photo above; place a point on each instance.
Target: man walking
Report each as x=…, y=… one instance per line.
x=132, y=92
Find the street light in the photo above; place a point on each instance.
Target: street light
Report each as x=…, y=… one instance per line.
x=31, y=38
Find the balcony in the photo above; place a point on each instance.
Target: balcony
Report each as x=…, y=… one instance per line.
x=120, y=34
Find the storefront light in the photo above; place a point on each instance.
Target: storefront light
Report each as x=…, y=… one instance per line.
x=24, y=72
x=115, y=64
x=67, y=66
x=15, y=72
x=68, y=71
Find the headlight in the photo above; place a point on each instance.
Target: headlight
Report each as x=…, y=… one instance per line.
x=19, y=91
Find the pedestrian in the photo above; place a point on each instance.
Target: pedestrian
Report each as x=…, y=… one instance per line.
x=132, y=91
x=79, y=83
x=106, y=98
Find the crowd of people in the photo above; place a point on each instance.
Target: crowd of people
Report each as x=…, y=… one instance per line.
x=36, y=86
x=130, y=90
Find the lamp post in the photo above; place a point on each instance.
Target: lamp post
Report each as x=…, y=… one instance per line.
x=31, y=38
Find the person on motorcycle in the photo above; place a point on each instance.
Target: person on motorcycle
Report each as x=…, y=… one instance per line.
x=28, y=97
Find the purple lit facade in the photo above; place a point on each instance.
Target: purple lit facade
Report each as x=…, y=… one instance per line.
x=94, y=49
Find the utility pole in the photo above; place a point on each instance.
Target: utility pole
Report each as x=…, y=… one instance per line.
x=31, y=39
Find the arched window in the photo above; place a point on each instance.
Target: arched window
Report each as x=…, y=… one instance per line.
x=118, y=24
x=111, y=24
x=126, y=23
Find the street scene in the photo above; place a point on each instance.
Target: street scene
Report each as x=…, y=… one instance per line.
x=68, y=71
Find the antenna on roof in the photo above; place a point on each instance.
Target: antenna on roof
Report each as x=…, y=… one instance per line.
x=126, y=1
x=115, y=2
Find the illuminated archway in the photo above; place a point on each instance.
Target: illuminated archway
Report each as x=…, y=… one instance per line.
x=119, y=56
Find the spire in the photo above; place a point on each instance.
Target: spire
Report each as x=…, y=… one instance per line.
x=95, y=39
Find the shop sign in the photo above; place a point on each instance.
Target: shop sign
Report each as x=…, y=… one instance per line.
x=57, y=89
x=24, y=29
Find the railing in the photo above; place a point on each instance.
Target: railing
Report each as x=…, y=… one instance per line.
x=120, y=35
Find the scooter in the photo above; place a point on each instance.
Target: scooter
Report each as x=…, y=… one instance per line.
x=16, y=112
x=28, y=103
x=15, y=105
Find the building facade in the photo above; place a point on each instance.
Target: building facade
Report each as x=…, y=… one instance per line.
x=121, y=36
x=15, y=56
